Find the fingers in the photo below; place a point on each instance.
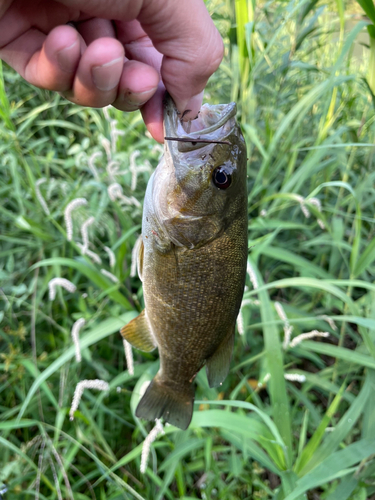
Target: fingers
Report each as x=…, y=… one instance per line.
x=98, y=74
x=139, y=47
x=4, y=5
x=137, y=85
x=184, y=33
x=137, y=43
x=46, y=62
x=55, y=63
x=22, y=16
x=152, y=113
x=104, y=76
x=97, y=78
x=95, y=28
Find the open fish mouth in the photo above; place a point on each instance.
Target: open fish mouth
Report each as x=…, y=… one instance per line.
x=212, y=125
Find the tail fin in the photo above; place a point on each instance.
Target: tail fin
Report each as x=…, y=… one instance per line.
x=172, y=402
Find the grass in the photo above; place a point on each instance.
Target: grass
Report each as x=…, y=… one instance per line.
x=308, y=117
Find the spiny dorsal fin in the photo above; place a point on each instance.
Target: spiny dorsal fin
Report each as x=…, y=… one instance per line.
x=217, y=366
x=138, y=333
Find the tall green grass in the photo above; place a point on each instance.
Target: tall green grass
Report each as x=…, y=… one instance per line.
x=369, y=9
x=308, y=118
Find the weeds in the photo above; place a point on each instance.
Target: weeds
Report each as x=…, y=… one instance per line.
x=296, y=416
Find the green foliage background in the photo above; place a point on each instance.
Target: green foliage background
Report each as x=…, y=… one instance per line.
x=298, y=72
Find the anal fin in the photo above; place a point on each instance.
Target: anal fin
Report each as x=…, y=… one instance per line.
x=138, y=333
x=217, y=366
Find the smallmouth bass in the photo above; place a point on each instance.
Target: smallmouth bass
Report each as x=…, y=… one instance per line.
x=192, y=259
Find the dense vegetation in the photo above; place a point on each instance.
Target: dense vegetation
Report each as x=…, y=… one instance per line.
x=307, y=113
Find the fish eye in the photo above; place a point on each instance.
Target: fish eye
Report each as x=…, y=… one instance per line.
x=221, y=178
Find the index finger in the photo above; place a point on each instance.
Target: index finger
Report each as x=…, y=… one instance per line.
x=183, y=31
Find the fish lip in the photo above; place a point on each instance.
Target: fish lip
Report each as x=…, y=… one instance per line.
x=171, y=119
x=230, y=112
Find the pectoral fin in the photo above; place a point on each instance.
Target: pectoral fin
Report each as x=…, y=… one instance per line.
x=141, y=251
x=190, y=231
x=138, y=333
x=217, y=366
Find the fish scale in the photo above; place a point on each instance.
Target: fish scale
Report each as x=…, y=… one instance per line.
x=197, y=290
x=192, y=260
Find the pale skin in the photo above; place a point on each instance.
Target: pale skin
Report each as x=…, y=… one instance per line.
x=119, y=52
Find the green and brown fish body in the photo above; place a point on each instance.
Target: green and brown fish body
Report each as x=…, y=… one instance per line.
x=192, y=261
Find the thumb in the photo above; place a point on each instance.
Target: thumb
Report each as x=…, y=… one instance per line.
x=192, y=48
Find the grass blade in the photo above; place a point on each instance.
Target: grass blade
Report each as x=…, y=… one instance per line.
x=91, y=273
x=274, y=359
x=344, y=489
x=98, y=333
x=341, y=431
x=318, y=435
x=340, y=353
x=336, y=465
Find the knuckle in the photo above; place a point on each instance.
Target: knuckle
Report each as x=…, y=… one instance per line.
x=214, y=55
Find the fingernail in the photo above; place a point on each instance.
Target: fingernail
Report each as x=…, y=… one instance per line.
x=65, y=58
x=138, y=99
x=189, y=109
x=107, y=76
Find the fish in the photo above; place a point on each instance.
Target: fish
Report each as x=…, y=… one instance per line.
x=192, y=258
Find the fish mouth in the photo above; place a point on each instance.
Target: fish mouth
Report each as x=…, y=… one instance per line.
x=212, y=125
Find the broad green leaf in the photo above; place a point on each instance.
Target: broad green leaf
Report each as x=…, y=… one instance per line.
x=247, y=427
x=324, y=285
x=344, y=489
x=369, y=8
x=341, y=431
x=248, y=406
x=339, y=352
x=296, y=260
x=274, y=363
x=19, y=424
x=336, y=465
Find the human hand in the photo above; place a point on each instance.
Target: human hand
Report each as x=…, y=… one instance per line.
x=115, y=53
